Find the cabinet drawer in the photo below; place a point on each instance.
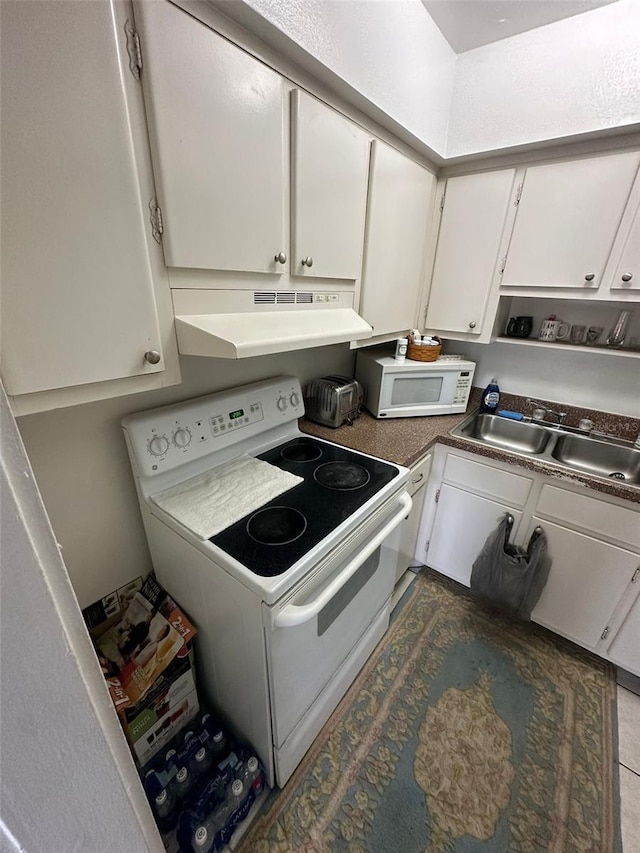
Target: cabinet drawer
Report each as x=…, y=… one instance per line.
x=599, y=518
x=487, y=480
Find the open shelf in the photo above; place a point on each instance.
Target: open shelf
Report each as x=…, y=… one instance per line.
x=569, y=347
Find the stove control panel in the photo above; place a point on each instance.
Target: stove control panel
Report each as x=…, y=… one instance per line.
x=165, y=438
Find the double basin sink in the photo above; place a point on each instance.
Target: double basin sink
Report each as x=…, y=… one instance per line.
x=598, y=455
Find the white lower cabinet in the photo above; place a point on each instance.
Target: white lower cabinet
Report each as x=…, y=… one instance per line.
x=625, y=648
x=587, y=579
x=417, y=488
x=463, y=522
x=594, y=544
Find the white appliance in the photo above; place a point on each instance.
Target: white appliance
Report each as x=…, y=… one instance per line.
x=291, y=599
x=410, y=389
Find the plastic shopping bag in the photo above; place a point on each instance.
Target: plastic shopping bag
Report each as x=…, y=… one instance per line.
x=509, y=577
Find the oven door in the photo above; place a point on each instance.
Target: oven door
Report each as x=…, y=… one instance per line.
x=312, y=633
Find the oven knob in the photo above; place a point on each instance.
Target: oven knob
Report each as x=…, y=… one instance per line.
x=158, y=445
x=181, y=437
x=281, y=403
x=294, y=399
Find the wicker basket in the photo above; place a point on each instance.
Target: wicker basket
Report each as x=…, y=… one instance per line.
x=423, y=353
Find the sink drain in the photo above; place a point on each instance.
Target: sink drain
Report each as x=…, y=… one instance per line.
x=617, y=475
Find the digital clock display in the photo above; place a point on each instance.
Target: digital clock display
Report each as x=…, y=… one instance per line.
x=239, y=413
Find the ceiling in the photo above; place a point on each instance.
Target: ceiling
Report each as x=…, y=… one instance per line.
x=470, y=23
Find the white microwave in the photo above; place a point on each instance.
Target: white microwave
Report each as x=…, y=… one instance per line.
x=410, y=389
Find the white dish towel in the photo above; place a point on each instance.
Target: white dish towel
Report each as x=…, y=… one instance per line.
x=210, y=502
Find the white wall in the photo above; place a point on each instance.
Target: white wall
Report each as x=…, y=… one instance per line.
x=604, y=382
x=390, y=52
x=81, y=465
x=571, y=77
x=67, y=777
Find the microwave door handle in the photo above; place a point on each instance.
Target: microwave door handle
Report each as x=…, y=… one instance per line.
x=293, y=614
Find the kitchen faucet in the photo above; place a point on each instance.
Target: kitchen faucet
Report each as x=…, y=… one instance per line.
x=540, y=407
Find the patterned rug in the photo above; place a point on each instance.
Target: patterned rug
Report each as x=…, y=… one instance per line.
x=466, y=732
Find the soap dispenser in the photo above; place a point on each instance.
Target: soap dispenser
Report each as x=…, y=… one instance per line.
x=490, y=398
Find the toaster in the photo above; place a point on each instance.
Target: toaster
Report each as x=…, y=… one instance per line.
x=333, y=400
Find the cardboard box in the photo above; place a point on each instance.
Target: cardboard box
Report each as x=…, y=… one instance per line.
x=170, y=704
x=139, y=640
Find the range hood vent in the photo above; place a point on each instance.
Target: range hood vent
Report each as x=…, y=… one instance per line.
x=242, y=324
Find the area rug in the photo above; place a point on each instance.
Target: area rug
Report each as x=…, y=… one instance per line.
x=466, y=732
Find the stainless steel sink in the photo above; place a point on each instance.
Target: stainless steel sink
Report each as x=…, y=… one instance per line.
x=602, y=458
x=517, y=436
x=558, y=445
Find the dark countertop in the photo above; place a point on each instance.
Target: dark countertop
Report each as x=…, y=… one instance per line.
x=406, y=440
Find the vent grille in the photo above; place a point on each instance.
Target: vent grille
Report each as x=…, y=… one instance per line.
x=264, y=297
x=286, y=297
x=304, y=298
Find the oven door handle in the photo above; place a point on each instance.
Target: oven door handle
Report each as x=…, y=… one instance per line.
x=294, y=614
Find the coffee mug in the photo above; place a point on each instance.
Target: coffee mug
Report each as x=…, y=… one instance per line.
x=550, y=330
x=577, y=334
x=520, y=327
x=593, y=334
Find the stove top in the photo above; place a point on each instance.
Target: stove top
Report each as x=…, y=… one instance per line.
x=336, y=483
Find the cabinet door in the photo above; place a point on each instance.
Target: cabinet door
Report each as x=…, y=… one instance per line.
x=587, y=579
x=462, y=524
x=467, y=254
x=216, y=119
x=417, y=487
x=625, y=648
x=330, y=163
x=627, y=272
x=398, y=213
x=78, y=302
x=566, y=222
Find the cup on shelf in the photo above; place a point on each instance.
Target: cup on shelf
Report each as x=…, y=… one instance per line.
x=593, y=335
x=551, y=330
x=577, y=334
x=520, y=327
x=618, y=332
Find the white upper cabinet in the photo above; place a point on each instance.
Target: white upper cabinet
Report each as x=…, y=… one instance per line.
x=217, y=136
x=330, y=163
x=80, y=270
x=470, y=239
x=567, y=219
x=623, y=272
x=398, y=214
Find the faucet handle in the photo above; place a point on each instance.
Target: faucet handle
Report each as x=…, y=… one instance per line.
x=538, y=414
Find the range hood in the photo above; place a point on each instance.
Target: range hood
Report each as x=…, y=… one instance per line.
x=245, y=323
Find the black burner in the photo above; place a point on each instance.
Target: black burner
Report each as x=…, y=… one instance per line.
x=276, y=525
x=342, y=476
x=303, y=451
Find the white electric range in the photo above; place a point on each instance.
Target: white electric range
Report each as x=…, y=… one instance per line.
x=291, y=598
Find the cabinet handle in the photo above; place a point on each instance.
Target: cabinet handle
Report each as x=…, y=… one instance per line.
x=472, y=324
x=280, y=258
x=307, y=262
x=152, y=356
x=590, y=276
x=627, y=276
x=417, y=479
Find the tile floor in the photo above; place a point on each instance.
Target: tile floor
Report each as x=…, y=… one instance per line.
x=629, y=755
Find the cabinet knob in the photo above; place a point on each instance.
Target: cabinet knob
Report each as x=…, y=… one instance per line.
x=590, y=276
x=280, y=258
x=153, y=356
x=307, y=262
x=627, y=276
x=472, y=324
